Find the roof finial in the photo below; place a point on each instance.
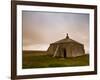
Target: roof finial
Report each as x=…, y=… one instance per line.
x=67, y=36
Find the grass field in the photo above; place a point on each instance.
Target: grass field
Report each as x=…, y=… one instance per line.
x=31, y=60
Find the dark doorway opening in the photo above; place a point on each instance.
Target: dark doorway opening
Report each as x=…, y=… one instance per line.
x=64, y=53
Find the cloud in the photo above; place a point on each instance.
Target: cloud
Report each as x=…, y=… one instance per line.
x=41, y=28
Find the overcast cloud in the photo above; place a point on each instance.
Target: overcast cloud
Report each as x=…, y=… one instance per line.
x=42, y=28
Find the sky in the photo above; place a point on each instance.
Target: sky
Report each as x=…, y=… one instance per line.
x=42, y=28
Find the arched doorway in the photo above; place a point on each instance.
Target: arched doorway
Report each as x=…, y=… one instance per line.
x=64, y=53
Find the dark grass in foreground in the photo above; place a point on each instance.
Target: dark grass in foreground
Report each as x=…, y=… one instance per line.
x=45, y=61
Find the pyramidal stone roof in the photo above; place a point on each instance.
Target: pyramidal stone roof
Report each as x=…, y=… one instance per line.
x=66, y=40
